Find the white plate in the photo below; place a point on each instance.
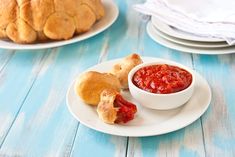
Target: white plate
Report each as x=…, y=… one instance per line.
x=181, y=34
x=189, y=42
x=147, y=122
x=199, y=50
x=111, y=15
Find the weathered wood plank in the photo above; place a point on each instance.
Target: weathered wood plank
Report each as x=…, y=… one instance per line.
x=124, y=34
x=44, y=127
x=15, y=84
x=44, y=118
x=92, y=143
x=182, y=143
x=218, y=122
x=5, y=56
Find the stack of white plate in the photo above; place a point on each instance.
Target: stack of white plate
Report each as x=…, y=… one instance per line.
x=186, y=42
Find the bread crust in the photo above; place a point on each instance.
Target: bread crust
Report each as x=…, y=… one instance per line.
x=105, y=109
x=122, y=69
x=47, y=19
x=90, y=85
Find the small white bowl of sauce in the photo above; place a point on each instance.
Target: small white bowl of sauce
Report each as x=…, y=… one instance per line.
x=161, y=85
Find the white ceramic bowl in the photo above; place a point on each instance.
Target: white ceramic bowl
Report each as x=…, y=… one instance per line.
x=161, y=101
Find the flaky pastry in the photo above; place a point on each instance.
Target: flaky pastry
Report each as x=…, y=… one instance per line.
x=90, y=85
x=122, y=69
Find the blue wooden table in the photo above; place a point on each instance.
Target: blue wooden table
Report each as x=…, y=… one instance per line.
x=35, y=122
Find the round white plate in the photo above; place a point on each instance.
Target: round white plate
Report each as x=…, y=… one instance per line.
x=199, y=50
x=189, y=42
x=147, y=122
x=181, y=34
x=111, y=14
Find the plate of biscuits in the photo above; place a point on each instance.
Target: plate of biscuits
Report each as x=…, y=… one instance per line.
x=48, y=24
x=100, y=98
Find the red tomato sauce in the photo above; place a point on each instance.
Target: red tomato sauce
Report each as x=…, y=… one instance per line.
x=162, y=79
x=126, y=110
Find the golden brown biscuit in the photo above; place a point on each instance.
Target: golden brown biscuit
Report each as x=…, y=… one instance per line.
x=21, y=32
x=59, y=26
x=96, y=6
x=47, y=19
x=90, y=84
x=8, y=11
x=37, y=12
x=122, y=69
x=86, y=15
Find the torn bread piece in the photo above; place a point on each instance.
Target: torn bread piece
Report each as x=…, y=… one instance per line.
x=113, y=108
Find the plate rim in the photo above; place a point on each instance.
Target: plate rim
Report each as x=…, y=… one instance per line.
x=167, y=30
x=190, y=43
x=205, y=107
x=182, y=48
x=54, y=44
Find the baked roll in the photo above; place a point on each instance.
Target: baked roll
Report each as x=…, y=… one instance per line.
x=122, y=69
x=90, y=85
x=28, y=21
x=113, y=108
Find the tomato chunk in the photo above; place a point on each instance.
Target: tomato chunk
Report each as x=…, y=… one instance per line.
x=126, y=110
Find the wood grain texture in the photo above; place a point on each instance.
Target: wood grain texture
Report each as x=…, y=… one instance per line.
x=5, y=56
x=218, y=122
x=124, y=34
x=14, y=86
x=92, y=143
x=44, y=127
x=182, y=143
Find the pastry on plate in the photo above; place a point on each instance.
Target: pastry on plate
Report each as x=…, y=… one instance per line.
x=28, y=21
x=90, y=85
x=122, y=69
x=113, y=108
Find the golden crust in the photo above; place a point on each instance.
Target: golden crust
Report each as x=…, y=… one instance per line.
x=106, y=110
x=41, y=36
x=90, y=85
x=8, y=10
x=21, y=32
x=122, y=69
x=47, y=19
x=37, y=12
x=86, y=15
x=64, y=31
x=3, y=33
x=69, y=7
x=96, y=6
